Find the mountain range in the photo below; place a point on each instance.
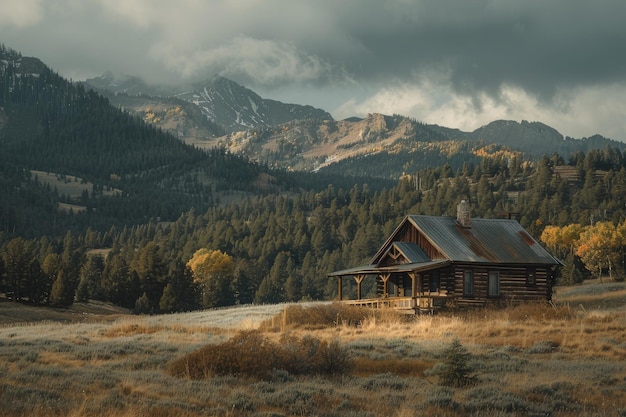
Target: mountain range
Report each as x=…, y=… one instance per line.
x=220, y=100
x=219, y=113
x=111, y=139
x=222, y=113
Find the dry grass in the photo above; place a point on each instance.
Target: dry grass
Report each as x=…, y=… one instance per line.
x=366, y=366
x=564, y=360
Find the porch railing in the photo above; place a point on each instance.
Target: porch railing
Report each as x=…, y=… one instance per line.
x=415, y=304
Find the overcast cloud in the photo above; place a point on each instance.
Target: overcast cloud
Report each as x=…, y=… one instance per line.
x=457, y=63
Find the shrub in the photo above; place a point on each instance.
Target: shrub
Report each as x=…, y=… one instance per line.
x=456, y=370
x=499, y=361
x=442, y=397
x=251, y=354
x=545, y=346
x=384, y=381
x=248, y=353
x=559, y=396
x=480, y=400
x=239, y=400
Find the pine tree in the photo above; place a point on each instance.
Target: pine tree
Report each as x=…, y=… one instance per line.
x=16, y=256
x=168, y=302
x=292, y=283
x=456, y=370
x=89, y=285
x=143, y=305
x=243, y=286
x=62, y=293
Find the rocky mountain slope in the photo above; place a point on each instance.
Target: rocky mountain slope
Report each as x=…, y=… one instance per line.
x=220, y=112
x=389, y=146
x=311, y=145
x=202, y=111
x=235, y=107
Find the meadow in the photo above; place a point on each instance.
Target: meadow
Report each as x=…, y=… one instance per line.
x=565, y=359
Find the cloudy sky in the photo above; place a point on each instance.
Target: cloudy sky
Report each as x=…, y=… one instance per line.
x=457, y=63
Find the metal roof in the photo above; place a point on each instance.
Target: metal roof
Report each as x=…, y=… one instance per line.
x=486, y=241
x=374, y=270
x=411, y=252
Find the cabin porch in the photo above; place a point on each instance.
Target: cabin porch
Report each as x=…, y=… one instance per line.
x=408, y=288
x=425, y=303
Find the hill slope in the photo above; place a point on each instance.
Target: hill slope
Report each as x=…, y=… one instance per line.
x=51, y=125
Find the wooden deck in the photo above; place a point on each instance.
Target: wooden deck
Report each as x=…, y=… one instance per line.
x=410, y=305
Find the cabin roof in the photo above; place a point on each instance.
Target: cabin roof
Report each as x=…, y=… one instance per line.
x=411, y=252
x=486, y=241
x=374, y=269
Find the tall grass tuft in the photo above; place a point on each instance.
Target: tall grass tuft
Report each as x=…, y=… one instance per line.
x=322, y=316
x=250, y=354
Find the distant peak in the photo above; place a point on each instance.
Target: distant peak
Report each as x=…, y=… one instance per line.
x=108, y=75
x=220, y=79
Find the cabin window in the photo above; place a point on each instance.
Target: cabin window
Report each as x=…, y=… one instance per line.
x=531, y=276
x=494, y=284
x=468, y=282
x=435, y=281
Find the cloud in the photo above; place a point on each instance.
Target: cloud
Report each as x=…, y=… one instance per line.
x=259, y=61
x=461, y=60
x=575, y=112
x=20, y=14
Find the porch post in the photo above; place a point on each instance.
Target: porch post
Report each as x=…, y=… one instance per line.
x=359, y=280
x=385, y=278
x=413, y=285
x=419, y=283
x=340, y=287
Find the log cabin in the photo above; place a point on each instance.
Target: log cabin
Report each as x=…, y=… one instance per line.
x=432, y=262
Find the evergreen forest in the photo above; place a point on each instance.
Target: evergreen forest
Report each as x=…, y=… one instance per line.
x=166, y=227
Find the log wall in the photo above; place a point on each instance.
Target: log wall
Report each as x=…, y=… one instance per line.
x=513, y=284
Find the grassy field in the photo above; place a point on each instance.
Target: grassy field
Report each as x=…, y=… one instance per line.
x=568, y=359
x=71, y=186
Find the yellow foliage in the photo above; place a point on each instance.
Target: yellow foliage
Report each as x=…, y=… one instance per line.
x=206, y=263
x=599, y=246
x=550, y=236
x=570, y=234
x=561, y=240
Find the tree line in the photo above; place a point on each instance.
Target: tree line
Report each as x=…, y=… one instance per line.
x=281, y=246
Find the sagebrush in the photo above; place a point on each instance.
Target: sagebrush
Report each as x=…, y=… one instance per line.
x=251, y=354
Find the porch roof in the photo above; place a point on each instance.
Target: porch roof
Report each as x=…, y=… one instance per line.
x=373, y=269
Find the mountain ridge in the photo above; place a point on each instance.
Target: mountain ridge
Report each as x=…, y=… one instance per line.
x=219, y=113
x=300, y=137
x=220, y=100
x=317, y=145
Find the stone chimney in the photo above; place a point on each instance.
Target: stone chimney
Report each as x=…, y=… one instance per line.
x=463, y=214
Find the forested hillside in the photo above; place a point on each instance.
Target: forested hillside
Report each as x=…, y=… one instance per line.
x=162, y=226
x=50, y=125
x=276, y=248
